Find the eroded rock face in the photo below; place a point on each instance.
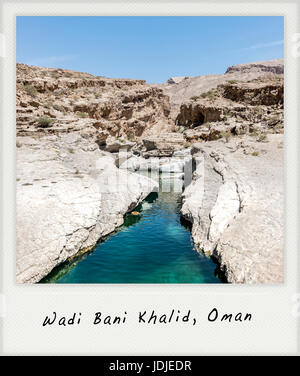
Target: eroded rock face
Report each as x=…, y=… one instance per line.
x=163, y=145
x=73, y=187
x=122, y=108
x=194, y=114
x=235, y=201
x=271, y=66
x=114, y=145
x=180, y=90
x=255, y=93
x=69, y=194
x=233, y=108
x=235, y=204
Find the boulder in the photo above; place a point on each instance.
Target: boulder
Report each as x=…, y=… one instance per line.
x=176, y=80
x=163, y=145
x=114, y=145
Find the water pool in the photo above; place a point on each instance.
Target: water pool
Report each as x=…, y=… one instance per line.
x=153, y=247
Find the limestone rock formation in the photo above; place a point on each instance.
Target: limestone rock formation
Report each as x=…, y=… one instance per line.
x=123, y=108
x=232, y=109
x=235, y=203
x=114, y=145
x=69, y=192
x=69, y=195
x=256, y=92
x=235, y=200
x=174, y=164
x=176, y=80
x=78, y=135
x=179, y=90
x=271, y=66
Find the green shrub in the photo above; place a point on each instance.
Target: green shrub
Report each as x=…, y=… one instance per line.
x=226, y=134
x=131, y=137
x=55, y=74
x=82, y=114
x=57, y=107
x=254, y=133
x=48, y=104
x=209, y=95
x=255, y=154
x=232, y=81
x=262, y=138
x=30, y=90
x=44, y=122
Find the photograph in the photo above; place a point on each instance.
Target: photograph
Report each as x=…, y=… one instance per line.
x=150, y=150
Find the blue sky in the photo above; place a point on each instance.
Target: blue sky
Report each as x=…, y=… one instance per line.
x=151, y=48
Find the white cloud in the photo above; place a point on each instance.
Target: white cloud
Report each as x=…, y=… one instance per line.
x=265, y=45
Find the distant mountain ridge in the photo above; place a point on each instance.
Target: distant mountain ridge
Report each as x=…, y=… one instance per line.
x=179, y=89
x=270, y=66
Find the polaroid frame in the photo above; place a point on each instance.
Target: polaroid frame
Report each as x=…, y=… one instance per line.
x=275, y=308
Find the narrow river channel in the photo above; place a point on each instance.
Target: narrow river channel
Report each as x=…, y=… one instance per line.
x=152, y=247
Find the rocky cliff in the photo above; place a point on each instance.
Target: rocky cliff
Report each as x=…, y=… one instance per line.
x=235, y=201
x=58, y=99
x=69, y=191
x=233, y=108
x=180, y=89
x=235, y=204
x=73, y=187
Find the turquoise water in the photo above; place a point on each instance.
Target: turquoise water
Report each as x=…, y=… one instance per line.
x=154, y=247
